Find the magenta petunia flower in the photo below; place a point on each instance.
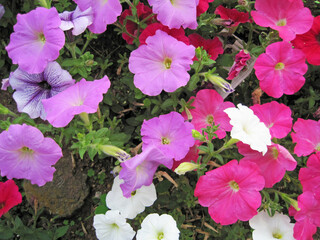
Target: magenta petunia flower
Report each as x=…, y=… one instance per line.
x=162, y=64
x=26, y=153
x=76, y=20
x=276, y=116
x=104, y=12
x=240, y=63
x=203, y=6
x=310, y=176
x=208, y=108
x=231, y=17
x=287, y=17
x=32, y=88
x=139, y=170
x=177, y=13
x=272, y=165
x=281, y=69
x=9, y=196
x=231, y=191
x=307, y=137
x=83, y=96
x=37, y=39
x=170, y=133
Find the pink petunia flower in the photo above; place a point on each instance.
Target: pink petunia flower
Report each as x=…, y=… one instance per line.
x=26, y=153
x=192, y=155
x=37, y=39
x=104, y=13
x=178, y=34
x=212, y=46
x=310, y=176
x=139, y=170
x=208, y=108
x=9, y=196
x=231, y=17
x=307, y=137
x=231, y=191
x=170, y=133
x=276, y=116
x=83, y=96
x=240, y=63
x=175, y=14
x=272, y=165
x=287, y=17
x=281, y=69
x=162, y=64
x=309, y=42
x=203, y=6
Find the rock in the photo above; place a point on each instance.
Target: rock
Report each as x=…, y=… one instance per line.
x=65, y=194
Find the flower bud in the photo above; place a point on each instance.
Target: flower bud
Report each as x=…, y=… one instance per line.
x=198, y=136
x=220, y=82
x=186, y=167
x=115, y=152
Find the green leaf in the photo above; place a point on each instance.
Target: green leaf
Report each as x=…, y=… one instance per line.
x=60, y=232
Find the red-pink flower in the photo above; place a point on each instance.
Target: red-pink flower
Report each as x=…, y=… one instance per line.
x=307, y=136
x=310, y=176
x=272, y=165
x=208, y=108
x=240, y=62
x=281, y=69
x=203, y=6
x=192, y=155
x=309, y=42
x=9, y=196
x=152, y=28
x=287, y=17
x=212, y=46
x=276, y=116
x=232, y=17
x=231, y=191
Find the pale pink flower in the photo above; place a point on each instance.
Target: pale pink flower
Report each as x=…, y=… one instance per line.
x=287, y=17
x=281, y=69
x=231, y=191
x=310, y=176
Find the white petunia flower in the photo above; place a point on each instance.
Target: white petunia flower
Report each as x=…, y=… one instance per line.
x=271, y=228
x=155, y=227
x=248, y=128
x=130, y=207
x=112, y=226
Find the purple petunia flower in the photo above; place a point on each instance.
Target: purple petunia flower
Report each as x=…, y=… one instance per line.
x=77, y=20
x=37, y=39
x=104, y=12
x=170, y=133
x=26, y=153
x=84, y=96
x=162, y=64
x=32, y=88
x=139, y=170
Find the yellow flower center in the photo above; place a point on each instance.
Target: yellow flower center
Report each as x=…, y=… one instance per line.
x=275, y=153
x=234, y=186
x=165, y=141
x=41, y=37
x=282, y=22
x=114, y=225
x=279, y=66
x=133, y=193
x=167, y=63
x=277, y=235
x=209, y=119
x=160, y=236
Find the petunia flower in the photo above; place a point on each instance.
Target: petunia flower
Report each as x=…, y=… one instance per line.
x=9, y=196
x=310, y=176
x=175, y=14
x=162, y=64
x=281, y=69
x=170, y=133
x=273, y=165
x=76, y=20
x=192, y=155
x=155, y=227
x=287, y=17
x=212, y=46
x=138, y=171
x=112, y=226
x=203, y=6
x=309, y=42
x=209, y=108
x=104, y=13
x=239, y=64
x=36, y=40
x=26, y=153
x=270, y=228
x=307, y=136
x=150, y=30
x=247, y=128
x=231, y=192
x=276, y=116
x=135, y=204
x=84, y=96
x=32, y=88
x=231, y=17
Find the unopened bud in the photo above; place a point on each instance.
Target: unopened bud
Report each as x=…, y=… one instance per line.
x=116, y=152
x=186, y=167
x=198, y=136
x=220, y=82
